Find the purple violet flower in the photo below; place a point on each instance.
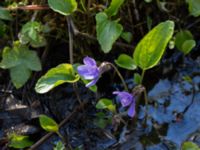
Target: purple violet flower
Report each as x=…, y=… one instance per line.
x=127, y=99
x=89, y=71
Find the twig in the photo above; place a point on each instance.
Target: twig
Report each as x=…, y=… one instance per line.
x=136, y=13
x=48, y=135
x=70, y=33
x=29, y=7
x=120, y=44
x=86, y=35
x=70, y=39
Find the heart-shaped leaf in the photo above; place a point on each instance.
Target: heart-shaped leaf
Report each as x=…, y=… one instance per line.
x=151, y=48
x=126, y=62
x=48, y=124
x=64, y=7
x=107, y=31
x=63, y=73
x=21, y=62
x=32, y=32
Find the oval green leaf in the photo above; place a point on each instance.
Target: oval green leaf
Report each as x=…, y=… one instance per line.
x=190, y=146
x=48, y=124
x=63, y=73
x=151, y=48
x=64, y=7
x=188, y=46
x=107, y=31
x=126, y=62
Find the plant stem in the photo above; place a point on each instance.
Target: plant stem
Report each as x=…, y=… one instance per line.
x=119, y=75
x=142, y=76
x=70, y=33
x=145, y=95
x=62, y=138
x=70, y=40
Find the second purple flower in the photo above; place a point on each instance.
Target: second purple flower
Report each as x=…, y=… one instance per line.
x=127, y=99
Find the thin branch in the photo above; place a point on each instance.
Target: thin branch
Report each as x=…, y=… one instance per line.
x=28, y=7
x=70, y=33
x=120, y=44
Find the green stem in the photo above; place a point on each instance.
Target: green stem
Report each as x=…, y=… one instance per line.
x=63, y=140
x=142, y=76
x=61, y=137
x=119, y=75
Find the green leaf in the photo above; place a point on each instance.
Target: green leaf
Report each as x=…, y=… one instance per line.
x=126, y=62
x=105, y=103
x=151, y=48
x=48, y=124
x=102, y=120
x=19, y=75
x=32, y=32
x=184, y=41
x=194, y=7
x=5, y=14
x=63, y=73
x=19, y=141
x=137, y=78
x=107, y=31
x=2, y=28
x=64, y=7
x=188, y=46
x=190, y=146
x=20, y=55
x=181, y=37
x=127, y=36
x=10, y=58
x=21, y=62
x=114, y=7
x=59, y=146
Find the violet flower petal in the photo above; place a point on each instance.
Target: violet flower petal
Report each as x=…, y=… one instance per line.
x=93, y=82
x=125, y=98
x=131, y=110
x=88, y=73
x=89, y=61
